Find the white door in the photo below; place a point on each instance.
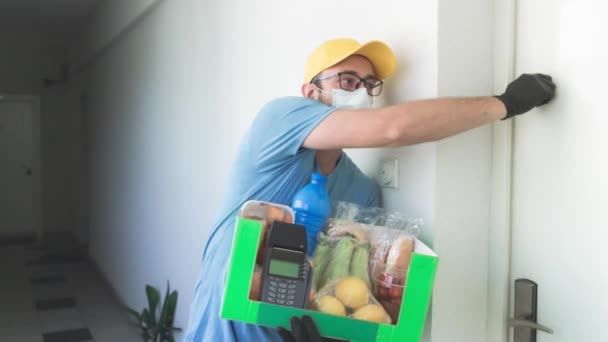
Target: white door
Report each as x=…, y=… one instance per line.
x=18, y=176
x=560, y=168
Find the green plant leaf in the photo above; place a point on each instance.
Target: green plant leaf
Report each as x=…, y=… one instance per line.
x=162, y=320
x=146, y=319
x=153, y=299
x=168, y=309
x=171, y=306
x=162, y=329
x=135, y=314
x=151, y=326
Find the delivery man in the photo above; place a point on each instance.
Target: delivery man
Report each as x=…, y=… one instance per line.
x=291, y=137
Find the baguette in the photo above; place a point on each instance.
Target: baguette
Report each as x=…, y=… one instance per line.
x=399, y=255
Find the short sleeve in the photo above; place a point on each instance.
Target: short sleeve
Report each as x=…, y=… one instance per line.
x=281, y=126
x=374, y=197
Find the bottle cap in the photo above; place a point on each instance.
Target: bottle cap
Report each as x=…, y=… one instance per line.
x=318, y=178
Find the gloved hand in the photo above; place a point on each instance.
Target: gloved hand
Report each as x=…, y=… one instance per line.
x=526, y=92
x=302, y=330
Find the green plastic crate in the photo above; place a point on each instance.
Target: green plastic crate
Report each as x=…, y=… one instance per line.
x=237, y=305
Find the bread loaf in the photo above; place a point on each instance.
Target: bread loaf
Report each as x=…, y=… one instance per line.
x=398, y=258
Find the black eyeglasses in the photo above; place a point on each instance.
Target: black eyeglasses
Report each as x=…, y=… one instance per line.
x=350, y=81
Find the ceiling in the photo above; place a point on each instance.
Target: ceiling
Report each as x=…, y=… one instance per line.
x=42, y=11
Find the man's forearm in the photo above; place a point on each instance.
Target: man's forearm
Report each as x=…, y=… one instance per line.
x=429, y=120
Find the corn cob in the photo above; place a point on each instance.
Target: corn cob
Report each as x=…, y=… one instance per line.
x=320, y=260
x=359, y=263
x=339, y=262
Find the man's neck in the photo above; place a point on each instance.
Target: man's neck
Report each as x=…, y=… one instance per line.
x=327, y=160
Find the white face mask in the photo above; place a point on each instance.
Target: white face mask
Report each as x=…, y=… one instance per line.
x=358, y=99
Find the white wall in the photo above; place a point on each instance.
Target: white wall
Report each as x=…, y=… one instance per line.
x=171, y=98
x=105, y=24
x=28, y=55
x=463, y=176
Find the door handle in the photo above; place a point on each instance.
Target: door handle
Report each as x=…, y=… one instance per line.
x=524, y=321
x=528, y=324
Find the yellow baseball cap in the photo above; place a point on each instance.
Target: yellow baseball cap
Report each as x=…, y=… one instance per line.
x=334, y=51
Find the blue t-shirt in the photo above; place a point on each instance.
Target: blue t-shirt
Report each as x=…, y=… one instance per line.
x=271, y=166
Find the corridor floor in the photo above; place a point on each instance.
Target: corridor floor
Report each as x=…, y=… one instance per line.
x=49, y=292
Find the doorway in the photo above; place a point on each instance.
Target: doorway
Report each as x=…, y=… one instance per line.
x=20, y=169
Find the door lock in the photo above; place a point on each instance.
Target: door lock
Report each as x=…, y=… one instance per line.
x=524, y=317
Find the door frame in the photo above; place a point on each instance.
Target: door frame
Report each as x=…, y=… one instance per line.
x=36, y=156
x=500, y=229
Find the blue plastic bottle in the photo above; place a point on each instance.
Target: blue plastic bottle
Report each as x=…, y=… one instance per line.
x=312, y=208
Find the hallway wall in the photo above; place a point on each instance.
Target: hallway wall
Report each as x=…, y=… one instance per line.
x=157, y=169
x=169, y=101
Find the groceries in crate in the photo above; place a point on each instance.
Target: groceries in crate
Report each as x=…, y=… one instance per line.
x=360, y=264
x=371, y=246
x=370, y=283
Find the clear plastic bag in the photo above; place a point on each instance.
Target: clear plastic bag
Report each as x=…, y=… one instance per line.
x=370, y=244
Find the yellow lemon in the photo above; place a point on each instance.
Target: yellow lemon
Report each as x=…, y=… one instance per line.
x=330, y=305
x=352, y=292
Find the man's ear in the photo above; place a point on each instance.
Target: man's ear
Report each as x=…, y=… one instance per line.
x=308, y=91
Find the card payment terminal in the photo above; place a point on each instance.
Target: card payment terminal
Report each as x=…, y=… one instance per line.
x=287, y=274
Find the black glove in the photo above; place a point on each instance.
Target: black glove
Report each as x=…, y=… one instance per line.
x=302, y=330
x=526, y=92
